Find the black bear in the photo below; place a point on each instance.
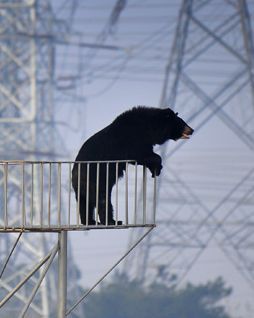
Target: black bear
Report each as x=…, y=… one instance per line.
x=131, y=136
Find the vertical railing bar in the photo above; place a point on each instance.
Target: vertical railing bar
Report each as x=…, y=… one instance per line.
x=116, y=207
x=38, y=283
x=62, y=274
x=97, y=191
x=5, y=195
x=49, y=197
x=87, y=191
x=154, y=199
x=32, y=194
x=41, y=196
x=69, y=197
x=135, y=193
x=106, y=201
x=78, y=201
x=126, y=194
x=59, y=192
x=144, y=194
x=23, y=193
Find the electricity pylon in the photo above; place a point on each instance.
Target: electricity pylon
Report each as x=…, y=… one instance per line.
x=28, y=131
x=209, y=70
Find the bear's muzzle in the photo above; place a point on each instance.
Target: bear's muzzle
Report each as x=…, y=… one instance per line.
x=187, y=132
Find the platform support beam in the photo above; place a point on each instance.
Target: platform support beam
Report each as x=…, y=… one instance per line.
x=62, y=274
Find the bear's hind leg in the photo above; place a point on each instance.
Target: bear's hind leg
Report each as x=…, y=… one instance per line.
x=111, y=220
x=106, y=213
x=83, y=212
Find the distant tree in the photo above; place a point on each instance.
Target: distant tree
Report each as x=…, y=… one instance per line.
x=123, y=298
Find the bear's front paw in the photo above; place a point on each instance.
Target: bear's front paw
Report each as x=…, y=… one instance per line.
x=156, y=171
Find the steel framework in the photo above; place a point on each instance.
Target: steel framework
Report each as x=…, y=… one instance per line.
x=28, y=130
x=187, y=224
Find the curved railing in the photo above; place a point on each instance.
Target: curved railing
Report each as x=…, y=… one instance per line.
x=39, y=196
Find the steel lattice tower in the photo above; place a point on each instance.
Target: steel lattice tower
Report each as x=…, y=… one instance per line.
x=187, y=224
x=28, y=131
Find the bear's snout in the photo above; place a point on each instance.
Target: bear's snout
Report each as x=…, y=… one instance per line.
x=187, y=132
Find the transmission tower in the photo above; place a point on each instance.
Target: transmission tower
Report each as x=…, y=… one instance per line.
x=28, y=131
x=223, y=42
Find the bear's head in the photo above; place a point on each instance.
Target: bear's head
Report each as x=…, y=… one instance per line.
x=167, y=125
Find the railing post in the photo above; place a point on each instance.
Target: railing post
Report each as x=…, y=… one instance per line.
x=62, y=273
x=144, y=193
x=154, y=199
x=5, y=195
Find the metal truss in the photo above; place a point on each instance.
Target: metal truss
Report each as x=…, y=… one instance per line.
x=186, y=223
x=28, y=131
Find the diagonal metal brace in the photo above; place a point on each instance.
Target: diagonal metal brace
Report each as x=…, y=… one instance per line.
x=108, y=272
x=21, y=283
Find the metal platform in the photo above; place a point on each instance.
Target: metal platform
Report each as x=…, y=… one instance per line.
x=47, y=201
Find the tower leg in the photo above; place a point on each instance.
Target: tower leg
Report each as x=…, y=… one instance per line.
x=62, y=273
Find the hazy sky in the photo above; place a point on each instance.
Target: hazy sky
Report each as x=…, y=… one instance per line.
x=115, y=60
x=112, y=81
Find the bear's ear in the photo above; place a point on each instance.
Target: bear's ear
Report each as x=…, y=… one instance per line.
x=176, y=114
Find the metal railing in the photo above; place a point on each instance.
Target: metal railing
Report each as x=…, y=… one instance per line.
x=40, y=196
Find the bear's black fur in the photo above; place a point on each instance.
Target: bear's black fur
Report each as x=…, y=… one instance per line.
x=131, y=136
